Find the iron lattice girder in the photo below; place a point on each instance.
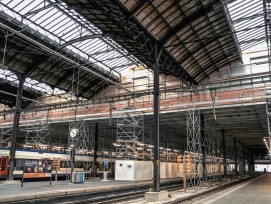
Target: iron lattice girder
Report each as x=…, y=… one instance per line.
x=138, y=42
x=252, y=40
x=248, y=18
x=39, y=10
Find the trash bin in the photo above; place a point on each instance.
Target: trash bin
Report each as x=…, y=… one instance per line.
x=78, y=177
x=105, y=174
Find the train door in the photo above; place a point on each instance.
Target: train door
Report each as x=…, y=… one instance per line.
x=4, y=167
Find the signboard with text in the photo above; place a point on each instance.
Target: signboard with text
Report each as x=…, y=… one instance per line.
x=37, y=168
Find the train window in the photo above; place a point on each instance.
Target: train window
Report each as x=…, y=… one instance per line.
x=79, y=164
x=63, y=164
x=3, y=166
x=19, y=164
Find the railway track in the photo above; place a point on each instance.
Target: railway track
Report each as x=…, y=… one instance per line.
x=126, y=195
x=109, y=196
x=122, y=197
x=136, y=195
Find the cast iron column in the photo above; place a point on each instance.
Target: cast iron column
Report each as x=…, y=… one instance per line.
x=1, y=136
x=203, y=144
x=235, y=156
x=244, y=162
x=16, y=121
x=156, y=106
x=95, y=149
x=251, y=163
x=224, y=153
x=72, y=160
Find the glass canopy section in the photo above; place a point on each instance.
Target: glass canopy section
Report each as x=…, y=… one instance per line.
x=64, y=26
x=247, y=20
x=11, y=78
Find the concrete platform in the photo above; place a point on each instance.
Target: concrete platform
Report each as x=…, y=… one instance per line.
x=178, y=196
x=34, y=190
x=257, y=190
x=10, y=182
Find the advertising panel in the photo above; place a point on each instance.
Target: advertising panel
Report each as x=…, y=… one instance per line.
x=37, y=168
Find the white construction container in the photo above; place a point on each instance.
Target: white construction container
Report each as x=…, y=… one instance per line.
x=130, y=170
x=163, y=170
x=168, y=170
x=174, y=170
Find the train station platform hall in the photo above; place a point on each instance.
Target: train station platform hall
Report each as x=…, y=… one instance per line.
x=253, y=191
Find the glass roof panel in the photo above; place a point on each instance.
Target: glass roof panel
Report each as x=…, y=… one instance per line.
x=56, y=21
x=33, y=84
x=247, y=18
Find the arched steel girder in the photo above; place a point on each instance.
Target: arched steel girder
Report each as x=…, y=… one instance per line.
x=200, y=47
x=87, y=37
x=186, y=21
x=135, y=38
x=218, y=62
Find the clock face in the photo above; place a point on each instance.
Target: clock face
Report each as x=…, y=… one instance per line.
x=74, y=132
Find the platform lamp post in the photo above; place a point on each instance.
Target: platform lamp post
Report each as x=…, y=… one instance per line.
x=16, y=121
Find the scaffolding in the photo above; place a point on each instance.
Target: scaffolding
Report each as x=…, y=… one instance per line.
x=229, y=156
x=38, y=136
x=5, y=137
x=81, y=145
x=193, y=155
x=130, y=141
x=214, y=160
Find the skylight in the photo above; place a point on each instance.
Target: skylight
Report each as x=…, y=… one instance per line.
x=247, y=18
x=30, y=83
x=61, y=24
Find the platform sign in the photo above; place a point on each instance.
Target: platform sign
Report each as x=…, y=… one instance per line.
x=37, y=168
x=105, y=163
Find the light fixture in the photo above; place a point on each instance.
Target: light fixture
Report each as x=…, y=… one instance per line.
x=43, y=145
x=57, y=147
x=27, y=146
x=116, y=145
